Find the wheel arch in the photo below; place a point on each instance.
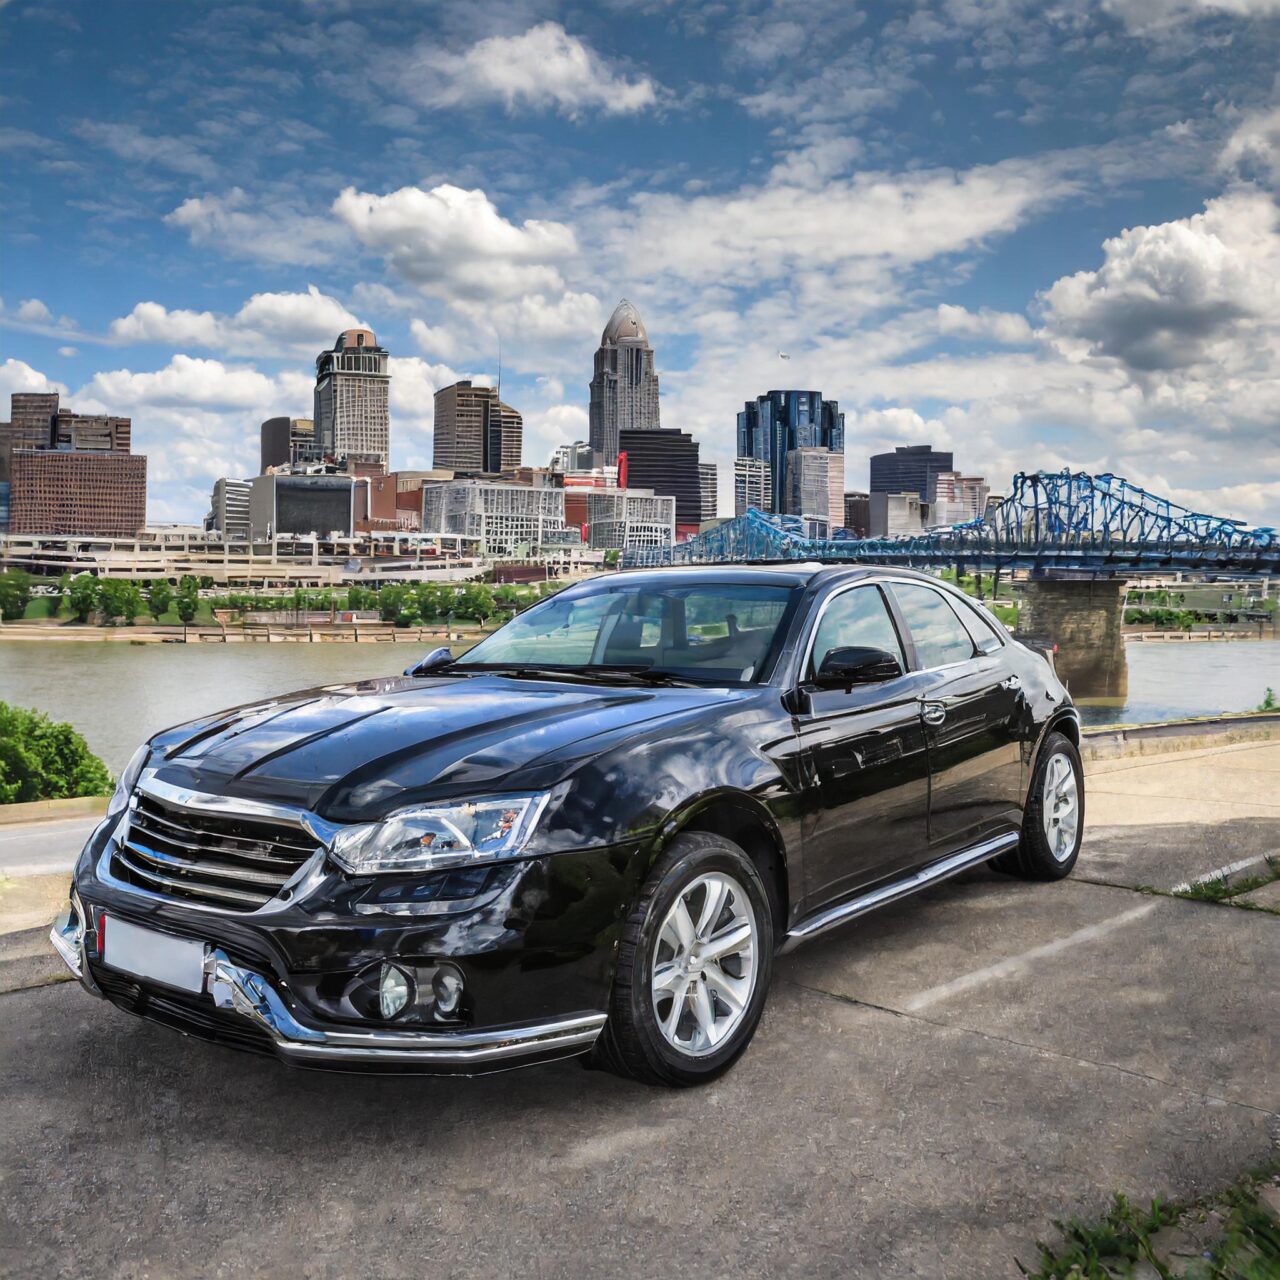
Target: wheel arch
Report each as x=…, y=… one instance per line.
x=744, y=820
x=1066, y=721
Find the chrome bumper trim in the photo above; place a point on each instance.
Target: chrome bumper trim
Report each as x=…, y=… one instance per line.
x=69, y=936
x=932, y=874
x=250, y=995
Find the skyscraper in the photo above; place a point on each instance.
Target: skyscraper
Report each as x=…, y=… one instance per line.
x=774, y=425
x=665, y=461
x=475, y=431
x=624, y=390
x=909, y=469
x=352, y=410
x=709, y=478
x=288, y=442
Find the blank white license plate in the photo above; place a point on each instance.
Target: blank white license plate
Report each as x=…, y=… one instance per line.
x=177, y=962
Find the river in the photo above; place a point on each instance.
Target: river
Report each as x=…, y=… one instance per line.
x=119, y=694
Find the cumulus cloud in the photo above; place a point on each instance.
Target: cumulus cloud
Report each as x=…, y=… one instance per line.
x=17, y=375
x=267, y=324
x=545, y=69
x=273, y=231
x=35, y=311
x=998, y=326
x=1174, y=295
x=184, y=381
x=455, y=242
x=1153, y=17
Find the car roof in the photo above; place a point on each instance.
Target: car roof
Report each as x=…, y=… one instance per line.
x=781, y=572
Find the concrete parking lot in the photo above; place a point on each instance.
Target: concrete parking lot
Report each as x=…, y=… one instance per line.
x=929, y=1088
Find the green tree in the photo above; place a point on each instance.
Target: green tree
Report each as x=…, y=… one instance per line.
x=82, y=596
x=159, y=598
x=111, y=596
x=44, y=760
x=15, y=594
x=187, y=601
x=391, y=601
x=474, y=601
x=130, y=602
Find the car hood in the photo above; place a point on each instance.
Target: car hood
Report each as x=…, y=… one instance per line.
x=355, y=752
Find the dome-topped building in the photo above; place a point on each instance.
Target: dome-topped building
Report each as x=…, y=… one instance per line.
x=624, y=390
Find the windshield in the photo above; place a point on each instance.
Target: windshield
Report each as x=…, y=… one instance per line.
x=713, y=632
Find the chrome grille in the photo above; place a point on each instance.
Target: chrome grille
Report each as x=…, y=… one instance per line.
x=237, y=863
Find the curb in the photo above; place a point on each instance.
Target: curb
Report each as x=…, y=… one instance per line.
x=27, y=959
x=1109, y=742
x=50, y=810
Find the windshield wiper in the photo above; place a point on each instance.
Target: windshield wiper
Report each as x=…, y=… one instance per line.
x=624, y=673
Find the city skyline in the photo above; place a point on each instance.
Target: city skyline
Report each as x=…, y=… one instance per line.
x=1036, y=239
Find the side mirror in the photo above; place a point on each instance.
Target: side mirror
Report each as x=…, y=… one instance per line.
x=843, y=668
x=436, y=658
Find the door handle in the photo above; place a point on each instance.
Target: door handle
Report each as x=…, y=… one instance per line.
x=934, y=713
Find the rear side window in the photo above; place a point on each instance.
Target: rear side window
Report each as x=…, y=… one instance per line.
x=984, y=629
x=939, y=635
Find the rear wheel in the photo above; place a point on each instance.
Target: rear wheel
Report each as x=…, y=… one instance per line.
x=693, y=966
x=1053, y=825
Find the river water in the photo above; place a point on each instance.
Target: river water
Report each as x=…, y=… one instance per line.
x=118, y=694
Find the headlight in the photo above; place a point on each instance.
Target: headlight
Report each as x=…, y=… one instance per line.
x=458, y=834
x=128, y=780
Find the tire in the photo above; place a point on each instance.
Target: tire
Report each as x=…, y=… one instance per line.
x=1050, y=846
x=647, y=1039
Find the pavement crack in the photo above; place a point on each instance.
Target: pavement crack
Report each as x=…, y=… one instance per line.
x=992, y=1036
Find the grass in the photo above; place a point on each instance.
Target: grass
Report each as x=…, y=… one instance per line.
x=1235, y=1235
x=1222, y=890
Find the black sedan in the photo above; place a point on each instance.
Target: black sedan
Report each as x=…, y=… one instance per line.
x=590, y=834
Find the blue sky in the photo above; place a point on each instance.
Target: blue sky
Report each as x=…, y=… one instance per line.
x=1039, y=235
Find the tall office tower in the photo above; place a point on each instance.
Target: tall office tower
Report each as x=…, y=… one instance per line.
x=958, y=498
x=709, y=478
x=503, y=436
x=229, y=509
x=815, y=486
x=30, y=425
x=752, y=485
x=71, y=473
x=475, y=431
x=624, y=390
x=288, y=442
x=909, y=469
x=773, y=425
x=352, y=398
x=665, y=462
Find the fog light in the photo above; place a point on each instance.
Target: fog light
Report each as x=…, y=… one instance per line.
x=447, y=985
x=394, y=990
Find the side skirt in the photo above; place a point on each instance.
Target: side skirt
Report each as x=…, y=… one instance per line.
x=934, y=873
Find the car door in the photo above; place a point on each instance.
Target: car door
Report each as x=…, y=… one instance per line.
x=865, y=755
x=971, y=706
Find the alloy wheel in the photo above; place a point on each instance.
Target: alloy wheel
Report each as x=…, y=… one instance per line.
x=705, y=964
x=1061, y=807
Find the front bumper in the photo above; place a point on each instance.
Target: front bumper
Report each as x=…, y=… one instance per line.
x=536, y=943
x=242, y=993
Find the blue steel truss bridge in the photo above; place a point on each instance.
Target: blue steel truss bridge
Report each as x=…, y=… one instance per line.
x=1097, y=526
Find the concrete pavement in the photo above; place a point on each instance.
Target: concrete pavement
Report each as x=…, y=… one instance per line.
x=928, y=1090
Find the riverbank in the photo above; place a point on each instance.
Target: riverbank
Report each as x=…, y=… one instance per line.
x=235, y=633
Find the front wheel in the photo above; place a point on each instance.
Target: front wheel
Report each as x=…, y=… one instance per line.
x=1053, y=826
x=693, y=966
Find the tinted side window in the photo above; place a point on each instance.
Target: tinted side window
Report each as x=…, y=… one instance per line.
x=985, y=629
x=856, y=619
x=939, y=635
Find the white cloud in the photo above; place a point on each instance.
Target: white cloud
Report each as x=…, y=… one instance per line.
x=185, y=382
x=131, y=144
x=1171, y=296
x=268, y=324
x=1152, y=17
x=275, y=231
x=35, y=311
x=68, y=351
x=17, y=375
x=545, y=69
x=455, y=242
x=1254, y=146
x=1006, y=327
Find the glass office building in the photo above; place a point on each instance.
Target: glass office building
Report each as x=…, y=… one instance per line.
x=776, y=424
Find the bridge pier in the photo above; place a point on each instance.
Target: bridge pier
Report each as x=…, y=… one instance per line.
x=1083, y=618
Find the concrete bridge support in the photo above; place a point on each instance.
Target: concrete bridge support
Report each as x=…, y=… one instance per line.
x=1083, y=618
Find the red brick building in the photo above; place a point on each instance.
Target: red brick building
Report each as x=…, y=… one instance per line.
x=64, y=492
